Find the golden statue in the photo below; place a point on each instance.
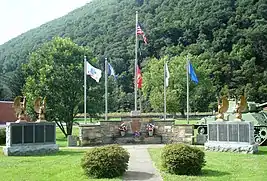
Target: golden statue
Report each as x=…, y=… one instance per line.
x=40, y=109
x=222, y=108
x=20, y=108
x=240, y=107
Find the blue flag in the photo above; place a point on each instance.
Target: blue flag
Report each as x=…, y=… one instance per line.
x=111, y=71
x=192, y=73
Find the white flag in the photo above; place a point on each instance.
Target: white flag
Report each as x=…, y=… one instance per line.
x=93, y=72
x=167, y=75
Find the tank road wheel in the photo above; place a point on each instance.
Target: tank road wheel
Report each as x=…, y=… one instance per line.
x=263, y=133
x=201, y=130
x=261, y=136
x=258, y=140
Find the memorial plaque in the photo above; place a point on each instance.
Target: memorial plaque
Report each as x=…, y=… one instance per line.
x=28, y=133
x=223, y=132
x=135, y=125
x=212, y=132
x=39, y=133
x=243, y=133
x=50, y=133
x=233, y=132
x=16, y=134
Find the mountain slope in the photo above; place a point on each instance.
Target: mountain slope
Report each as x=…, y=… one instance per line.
x=232, y=32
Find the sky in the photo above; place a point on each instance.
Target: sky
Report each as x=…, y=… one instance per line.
x=19, y=16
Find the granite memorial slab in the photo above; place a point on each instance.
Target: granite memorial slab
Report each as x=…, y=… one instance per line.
x=233, y=132
x=231, y=136
x=30, y=138
x=39, y=134
x=28, y=134
x=212, y=132
x=223, y=133
x=16, y=134
x=243, y=133
x=50, y=133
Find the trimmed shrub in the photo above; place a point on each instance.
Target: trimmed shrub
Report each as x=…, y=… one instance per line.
x=2, y=136
x=105, y=162
x=182, y=159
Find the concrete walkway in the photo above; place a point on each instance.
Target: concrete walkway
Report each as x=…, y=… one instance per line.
x=140, y=165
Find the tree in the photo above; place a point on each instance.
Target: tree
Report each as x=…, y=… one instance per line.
x=1, y=91
x=232, y=33
x=56, y=71
x=15, y=82
x=200, y=95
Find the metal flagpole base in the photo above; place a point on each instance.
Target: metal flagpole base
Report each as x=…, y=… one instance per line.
x=135, y=113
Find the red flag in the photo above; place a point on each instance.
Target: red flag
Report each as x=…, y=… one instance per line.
x=139, y=78
x=139, y=31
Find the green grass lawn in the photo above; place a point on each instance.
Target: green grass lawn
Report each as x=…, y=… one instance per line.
x=184, y=121
x=65, y=165
x=223, y=166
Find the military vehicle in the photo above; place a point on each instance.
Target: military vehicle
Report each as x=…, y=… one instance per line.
x=254, y=113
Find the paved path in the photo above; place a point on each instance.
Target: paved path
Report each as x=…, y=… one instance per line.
x=140, y=165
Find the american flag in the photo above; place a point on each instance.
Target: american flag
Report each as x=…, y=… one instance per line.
x=139, y=31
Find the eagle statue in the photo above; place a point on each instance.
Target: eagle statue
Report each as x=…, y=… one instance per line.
x=222, y=108
x=39, y=108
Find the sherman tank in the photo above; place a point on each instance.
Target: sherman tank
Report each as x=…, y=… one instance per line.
x=254, y=113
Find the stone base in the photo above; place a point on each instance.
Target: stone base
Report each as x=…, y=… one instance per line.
x=220, y=120
x=40, y=121
x=124, y=140
x=135, y=113
x=72, y=140
x=28, y=150
x=231, y=147
x=139, y=140
x=21, y=121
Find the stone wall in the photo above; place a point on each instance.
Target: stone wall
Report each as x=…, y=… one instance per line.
x=182, y=133
x=107, y=132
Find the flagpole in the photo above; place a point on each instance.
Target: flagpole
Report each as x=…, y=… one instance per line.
x=106, y=90
x=140, y=100
x=85, y=69
x=135, y=64
x=187, y=81
x=164, y=90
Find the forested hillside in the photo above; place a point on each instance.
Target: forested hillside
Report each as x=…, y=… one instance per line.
x=228, y=36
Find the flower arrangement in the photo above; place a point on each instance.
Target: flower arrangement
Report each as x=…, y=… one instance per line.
x=123, y=127
x=150, y=127
x=136, y=134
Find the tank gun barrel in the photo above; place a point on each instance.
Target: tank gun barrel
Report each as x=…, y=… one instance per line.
x=262, y=105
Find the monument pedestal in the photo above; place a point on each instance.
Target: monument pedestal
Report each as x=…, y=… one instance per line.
x=226, y=147
x=30, y=139
x=40, y=121
x=231, y=136
x=28, y=150
x=21, y=121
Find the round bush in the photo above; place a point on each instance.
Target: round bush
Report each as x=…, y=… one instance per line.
x=2, y=136
x=105, y=162
x=182, y=159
